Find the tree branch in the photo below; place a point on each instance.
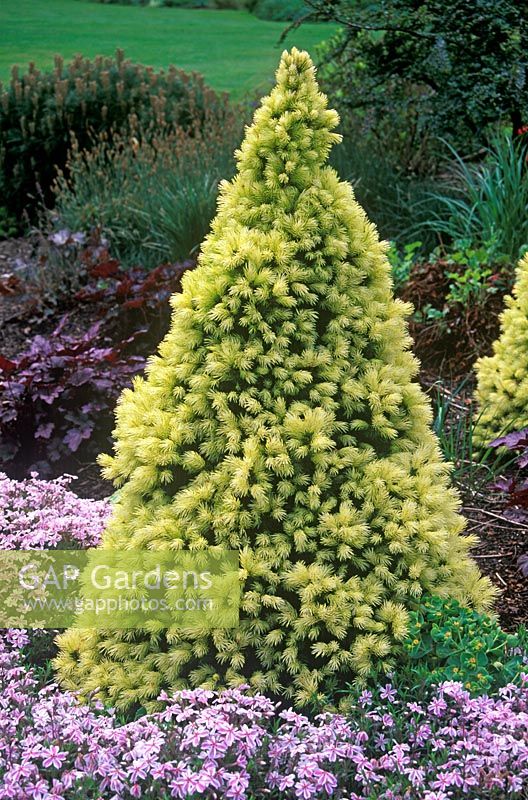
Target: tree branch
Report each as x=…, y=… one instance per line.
x=360, y=26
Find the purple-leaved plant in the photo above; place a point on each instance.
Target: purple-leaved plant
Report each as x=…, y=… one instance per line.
x=515, y=487
x=60, y=392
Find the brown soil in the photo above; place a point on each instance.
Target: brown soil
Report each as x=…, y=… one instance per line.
x=450, y=344
x=501, y=543
x=501, y=540
x=17, y=303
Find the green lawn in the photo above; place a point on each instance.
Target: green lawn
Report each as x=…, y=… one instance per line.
x=234, y=50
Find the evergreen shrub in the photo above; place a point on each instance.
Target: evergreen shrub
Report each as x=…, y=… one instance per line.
x=278, y=10
x=281, y=417
x=502, y=378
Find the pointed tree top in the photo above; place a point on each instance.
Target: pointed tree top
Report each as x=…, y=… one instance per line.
x=291, y=134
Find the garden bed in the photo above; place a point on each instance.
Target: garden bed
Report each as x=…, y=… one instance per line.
x=216, y=328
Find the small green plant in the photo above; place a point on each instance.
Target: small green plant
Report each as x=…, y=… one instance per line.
x=454, y=425
x=469, y=271
x=428, y=313
x=469, y=285
x=471, y=274
x=402, y=261
x=8, y=225
x=447, y=641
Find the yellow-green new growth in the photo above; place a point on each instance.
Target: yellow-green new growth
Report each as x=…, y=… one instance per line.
x=280, y=418
x=502, y=378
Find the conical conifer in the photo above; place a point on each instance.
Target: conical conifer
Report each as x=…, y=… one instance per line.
x=502, y=378
x=280, y=418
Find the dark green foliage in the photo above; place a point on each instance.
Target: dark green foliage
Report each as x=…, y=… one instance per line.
x=8, y=226
x=402, y=260
x=278, y=10
x=400, y=203
x=454, y=67
x=40, y=111
x=449, y=642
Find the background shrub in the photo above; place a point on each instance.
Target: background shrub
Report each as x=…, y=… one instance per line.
x=455, y=68
x=152, y=193
x=278, y=10
x=39, y=112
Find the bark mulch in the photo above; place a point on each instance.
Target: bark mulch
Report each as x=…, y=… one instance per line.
x=489, y=517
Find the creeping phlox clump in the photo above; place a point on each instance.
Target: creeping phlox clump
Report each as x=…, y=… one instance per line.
x=231, y=745
x=37, y=514
x=280, y=419
x=502, y=388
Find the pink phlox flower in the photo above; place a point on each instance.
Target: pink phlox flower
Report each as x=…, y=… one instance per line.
x=52, y=756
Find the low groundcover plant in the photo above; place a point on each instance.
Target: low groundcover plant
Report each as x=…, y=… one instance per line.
x=232, y=745
x=434, y=742
x=37, y=514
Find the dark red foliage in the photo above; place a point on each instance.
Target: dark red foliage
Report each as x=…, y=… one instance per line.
x=132, y=298
x=57, y=397
x=516, y=487
x=60, y=392
x=131, y=289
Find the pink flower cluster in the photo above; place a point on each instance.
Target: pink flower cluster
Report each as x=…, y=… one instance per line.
x=37, y=514
x=232, y=745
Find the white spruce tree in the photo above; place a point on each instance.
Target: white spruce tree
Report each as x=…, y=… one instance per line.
x=280, y=418
x=502, y=378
